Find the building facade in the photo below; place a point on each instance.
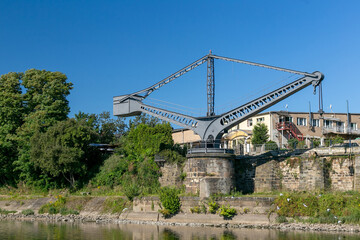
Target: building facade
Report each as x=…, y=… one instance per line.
x=283, y=126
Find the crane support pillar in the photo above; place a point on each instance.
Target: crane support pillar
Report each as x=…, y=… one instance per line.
x=210, y=87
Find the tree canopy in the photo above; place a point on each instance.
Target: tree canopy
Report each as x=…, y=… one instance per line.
x=260, y=134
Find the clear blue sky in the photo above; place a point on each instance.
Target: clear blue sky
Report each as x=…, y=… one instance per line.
x=110, y=48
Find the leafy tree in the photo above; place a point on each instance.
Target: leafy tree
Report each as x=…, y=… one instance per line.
x=63, y=151
x=110, y=130
x=144, y=119
x=45, y=104
x=11, y=118
x=133, y=166
x=146, y=140
x=260, y=134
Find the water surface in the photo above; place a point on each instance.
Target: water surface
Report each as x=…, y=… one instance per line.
x=80, y=231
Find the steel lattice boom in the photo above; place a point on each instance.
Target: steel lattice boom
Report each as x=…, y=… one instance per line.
x=211, y=126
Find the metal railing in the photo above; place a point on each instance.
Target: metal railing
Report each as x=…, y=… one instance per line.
x=209, y=146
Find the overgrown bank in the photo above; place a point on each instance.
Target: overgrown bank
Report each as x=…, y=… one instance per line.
x=118, y=210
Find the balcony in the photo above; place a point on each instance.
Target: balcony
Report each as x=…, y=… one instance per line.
x=340, y=130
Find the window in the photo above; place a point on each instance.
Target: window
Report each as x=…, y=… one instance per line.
x=249, y=122
x=301, y=121
x=259, y=120
x=340, y=126
x=327, y=124
x=285, y=119
x=353, y=126
x=315, y=123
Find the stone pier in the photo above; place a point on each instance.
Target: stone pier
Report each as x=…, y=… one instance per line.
x=209, y=173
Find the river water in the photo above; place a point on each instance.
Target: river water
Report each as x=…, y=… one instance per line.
x=78, y=231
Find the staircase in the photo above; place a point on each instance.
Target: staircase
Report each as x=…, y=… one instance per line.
x=291, y=128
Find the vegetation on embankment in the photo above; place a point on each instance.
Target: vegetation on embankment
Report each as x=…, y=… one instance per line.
x=41, y=148
x=319, y=208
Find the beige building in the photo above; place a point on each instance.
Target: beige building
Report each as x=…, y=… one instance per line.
x=283, y=126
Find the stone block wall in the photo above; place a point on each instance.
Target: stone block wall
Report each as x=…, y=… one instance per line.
x=170, y=175
x=208, y=173
x=336, y=173
x=342, y=174
x=250, y=204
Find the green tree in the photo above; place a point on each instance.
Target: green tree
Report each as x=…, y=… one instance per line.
x=63, y=151
x=11, y=118
x=133, y=166
x=260, y=134
x=45, y=104
x=144, y=119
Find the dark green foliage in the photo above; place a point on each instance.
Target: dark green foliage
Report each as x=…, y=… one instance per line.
x=27, y=212
x=115, y=205
x=109, y=130
x=45, y=103
x=321, y=208
x=145, y=140
x=170, y=201
x=316, y=143
x=296, y=144
x=333, y=141
x=133, y=167
x=5, y=212
x=11, y=118
x=63, y=151
x=144, y=119
x=260, y=134
x=281, y=219
x=227, y=212
x=213, y=207
x=271, y=145
x=59, y=206
x=172, y=156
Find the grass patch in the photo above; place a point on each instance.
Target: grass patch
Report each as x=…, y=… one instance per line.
x=5, y=212
x=27, y=212
x=115, y=205
x=320, y=207
x=57, y=207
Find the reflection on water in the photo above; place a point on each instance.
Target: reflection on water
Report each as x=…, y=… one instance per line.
x=58, y=231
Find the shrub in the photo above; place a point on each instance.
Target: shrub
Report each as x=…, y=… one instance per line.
x=316, y=143
x=115, y=205
x=195, y=209
x=271, y=145
x=57, y=207
x=27, y=212
x=170, y=201
x=293, y=142
x=131, y=191
x=281, y=219
x=226, y=212
x=3, y=211
x=213, y=207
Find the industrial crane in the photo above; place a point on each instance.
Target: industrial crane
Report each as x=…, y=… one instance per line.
x=212, y=127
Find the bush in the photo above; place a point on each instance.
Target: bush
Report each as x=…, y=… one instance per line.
x=5, y=212
x=281, y=219
x=57, y=207
x=271, y=145
x=293, y=142
x=27, y=212
x=213, y=207
x=226, y=212
x=321, y=208
x=115, y=205
x=195, y=209
x=316, y=143
x=170, y=201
